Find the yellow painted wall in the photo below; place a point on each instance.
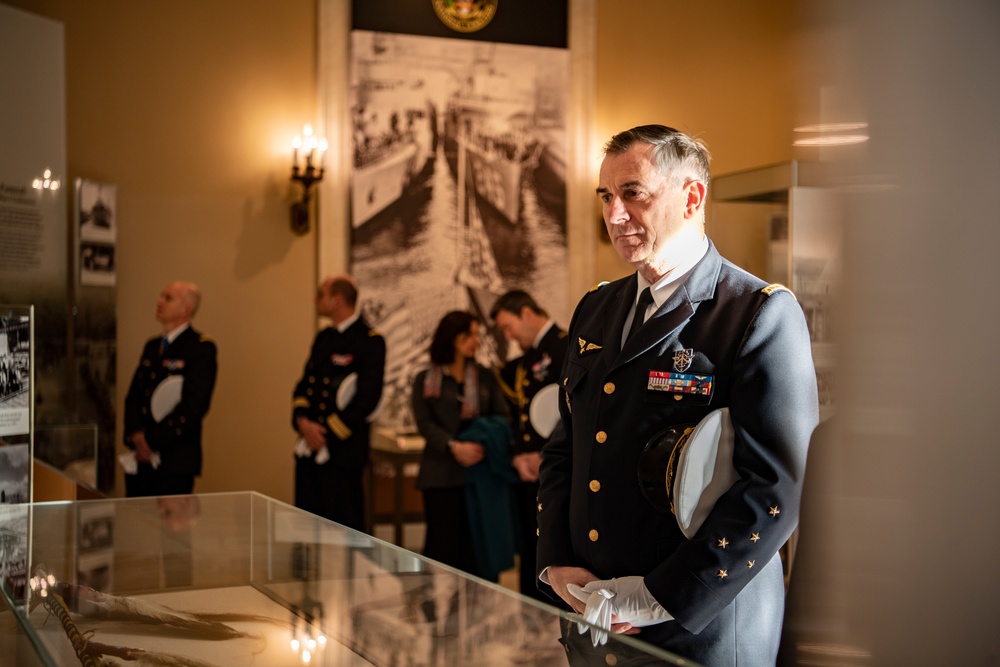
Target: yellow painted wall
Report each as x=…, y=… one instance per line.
x=189, y=107
x=724, y=72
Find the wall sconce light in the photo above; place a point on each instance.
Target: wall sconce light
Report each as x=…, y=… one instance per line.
x=46, y=182
x=308, y=173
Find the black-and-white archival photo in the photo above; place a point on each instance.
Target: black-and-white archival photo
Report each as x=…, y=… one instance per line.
x=14, y=470
x=97, y=263
x=13, y=542
x=458, y=190
x=15, y=373
x=97, y=202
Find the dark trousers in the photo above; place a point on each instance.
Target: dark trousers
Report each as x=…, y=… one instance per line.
x=525, y=497
x=332, y=492
x=449, y=539
x=149, y=482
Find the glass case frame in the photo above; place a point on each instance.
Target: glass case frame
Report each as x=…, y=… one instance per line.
x=242, y=579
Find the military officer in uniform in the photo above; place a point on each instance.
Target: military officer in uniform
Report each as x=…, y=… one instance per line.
x=707, y=335
x=165, y=434
x=543, y=344
x=346, y=362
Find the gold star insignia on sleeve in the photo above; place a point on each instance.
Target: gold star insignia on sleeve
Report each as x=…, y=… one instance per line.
x=723, y=543
x=722, y=574
x=755, y=537
x=774, y=511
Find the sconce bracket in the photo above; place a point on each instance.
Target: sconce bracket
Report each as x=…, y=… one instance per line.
x=300, y=209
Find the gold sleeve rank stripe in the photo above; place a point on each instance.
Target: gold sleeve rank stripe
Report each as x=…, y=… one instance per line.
x=300, y=402
x=338, y=427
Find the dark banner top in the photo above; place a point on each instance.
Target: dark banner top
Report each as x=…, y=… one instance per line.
x=527, y=22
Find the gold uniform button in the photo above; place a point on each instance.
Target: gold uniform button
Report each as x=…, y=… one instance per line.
x=312, y=378
x=595, y=486
x=527, y=437
x=609, y=388
x=524, y=418
x=538, y=532
x=678, y=397
x=602, y=437
x=593, y=536
x=611, y=659
x=539, y=507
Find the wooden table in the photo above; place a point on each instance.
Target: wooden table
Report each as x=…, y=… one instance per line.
x=392, y=495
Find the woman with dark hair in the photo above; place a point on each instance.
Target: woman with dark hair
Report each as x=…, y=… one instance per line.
x=454, y=400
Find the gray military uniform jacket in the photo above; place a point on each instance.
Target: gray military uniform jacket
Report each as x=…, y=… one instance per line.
x=726, y=339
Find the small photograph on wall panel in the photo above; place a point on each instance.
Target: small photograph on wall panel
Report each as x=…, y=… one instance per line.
x=96, y=212
x=97, y=263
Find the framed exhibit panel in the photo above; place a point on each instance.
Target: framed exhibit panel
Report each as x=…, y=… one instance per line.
x=240, y=579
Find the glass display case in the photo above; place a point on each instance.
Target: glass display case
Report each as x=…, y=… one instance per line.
x=804, y=221
x=241, y=579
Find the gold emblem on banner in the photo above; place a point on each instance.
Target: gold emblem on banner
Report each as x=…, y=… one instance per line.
x=465, y=15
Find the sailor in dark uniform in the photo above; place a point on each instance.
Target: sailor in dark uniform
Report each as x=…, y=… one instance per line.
x=709, y=335
x=165, y=434
x=543, y=342
x=347, y=362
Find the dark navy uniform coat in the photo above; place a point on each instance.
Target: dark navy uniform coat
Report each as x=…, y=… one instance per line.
x=177, y=437
x=724, y=586
x=521, y=379
x=334, y=489
x=335, y=355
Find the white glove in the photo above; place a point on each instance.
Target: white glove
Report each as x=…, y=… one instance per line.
x=131, y=464
x=302, y=449
x=597, y=613
x=631, y=601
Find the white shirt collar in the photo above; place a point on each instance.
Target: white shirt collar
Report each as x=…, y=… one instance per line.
x=172, y=335
x=664, y=288
x=342, y=327
x=541, y=334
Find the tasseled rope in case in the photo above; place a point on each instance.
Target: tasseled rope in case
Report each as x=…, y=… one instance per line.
x=57, y=606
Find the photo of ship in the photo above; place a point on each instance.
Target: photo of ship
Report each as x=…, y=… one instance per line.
x=395, y=137
x=458, y=191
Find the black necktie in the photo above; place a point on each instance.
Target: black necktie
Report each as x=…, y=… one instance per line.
x=645, y=298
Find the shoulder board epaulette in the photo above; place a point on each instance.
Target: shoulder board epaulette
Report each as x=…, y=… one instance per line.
x=775, y=287
x=374, y=332
x=205, y=339
x=599, y=286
